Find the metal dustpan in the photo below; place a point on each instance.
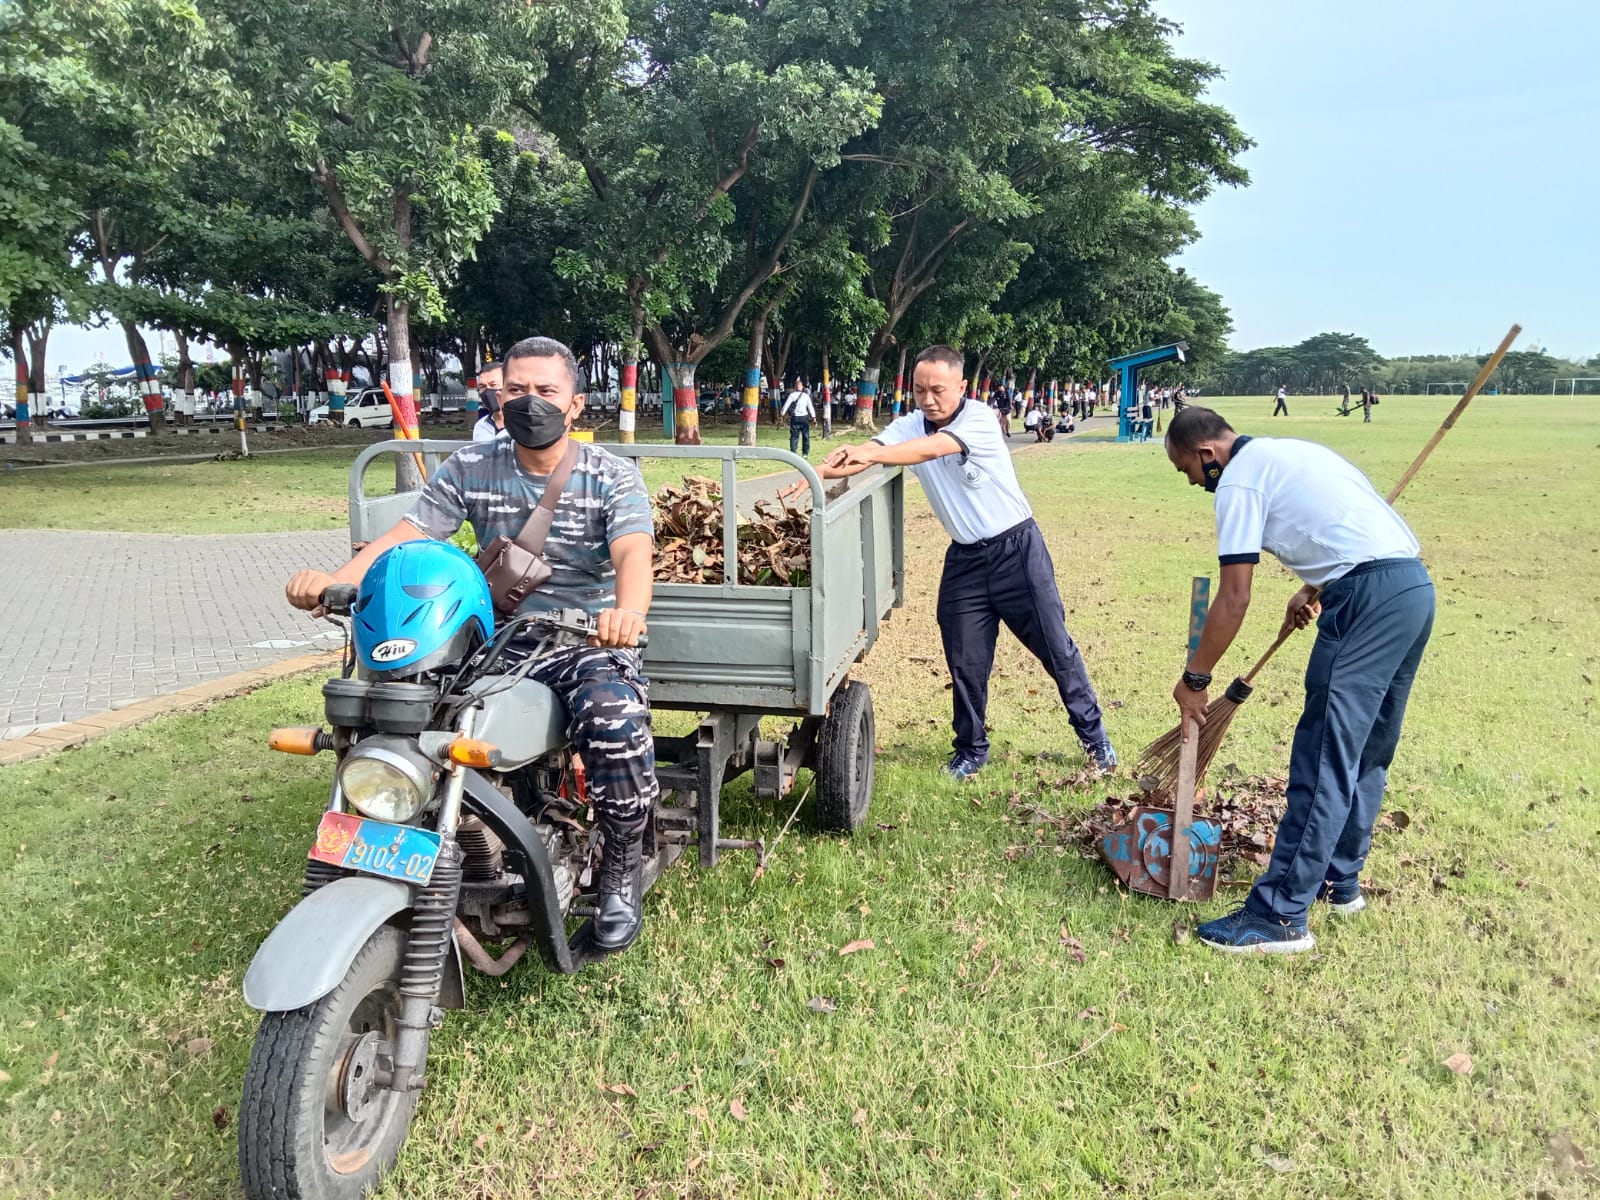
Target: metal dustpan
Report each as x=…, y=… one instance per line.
x=1139, y=853
x=1166, y=852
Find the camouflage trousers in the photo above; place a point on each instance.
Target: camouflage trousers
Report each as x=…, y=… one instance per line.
x=607, y=699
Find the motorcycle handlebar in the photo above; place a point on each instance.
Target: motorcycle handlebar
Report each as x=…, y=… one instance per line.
x=338, y=598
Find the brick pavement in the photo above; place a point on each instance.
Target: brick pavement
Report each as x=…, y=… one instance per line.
x=105, y=620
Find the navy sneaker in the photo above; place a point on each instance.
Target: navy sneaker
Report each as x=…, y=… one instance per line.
x=1242, y=932
x=1102, y=755
x=1345, y=899
x=964, y=765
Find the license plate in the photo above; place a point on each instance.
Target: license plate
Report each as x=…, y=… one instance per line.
x=393, y=851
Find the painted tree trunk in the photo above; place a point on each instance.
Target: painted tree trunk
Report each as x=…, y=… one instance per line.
x=628, y=411
x=685, y=406
x=236, y=354
x=827, y=394
x=19, y=357
x=1029, y=396
x=867, y=397
x=900, y=383
x=469, y=364
x=144, y=372
x=750, y=413
x=777, y=361
x=979, y=379
x=183, y=393
x=255, y=401
x=38, y=395
x=407, y=471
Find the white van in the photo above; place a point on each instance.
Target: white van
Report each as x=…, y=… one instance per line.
x=367, y=409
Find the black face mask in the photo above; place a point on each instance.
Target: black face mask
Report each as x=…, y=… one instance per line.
x=534, y=422
x=1213, y=470
x=491, y=400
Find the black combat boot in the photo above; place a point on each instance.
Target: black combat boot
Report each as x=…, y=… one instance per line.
x=621, y=913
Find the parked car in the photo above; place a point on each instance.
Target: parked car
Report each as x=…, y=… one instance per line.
x=367, y=409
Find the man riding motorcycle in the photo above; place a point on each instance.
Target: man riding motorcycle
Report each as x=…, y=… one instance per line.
x=600, y=549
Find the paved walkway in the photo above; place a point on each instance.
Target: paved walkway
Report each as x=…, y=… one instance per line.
x=108, y=619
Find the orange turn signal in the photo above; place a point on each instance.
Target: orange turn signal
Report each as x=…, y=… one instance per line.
x=297, y=739
x=470, y=752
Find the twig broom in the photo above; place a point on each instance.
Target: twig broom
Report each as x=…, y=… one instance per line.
x=1157, y=769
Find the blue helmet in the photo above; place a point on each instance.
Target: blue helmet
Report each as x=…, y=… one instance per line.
x=422, y=604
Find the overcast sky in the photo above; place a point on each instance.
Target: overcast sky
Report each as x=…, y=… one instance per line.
x=1425, y=174
x=1425, y=171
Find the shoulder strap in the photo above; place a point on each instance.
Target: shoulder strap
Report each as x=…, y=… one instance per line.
x=537, y=527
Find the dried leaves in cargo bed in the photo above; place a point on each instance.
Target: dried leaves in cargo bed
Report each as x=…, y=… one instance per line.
x=774, y=546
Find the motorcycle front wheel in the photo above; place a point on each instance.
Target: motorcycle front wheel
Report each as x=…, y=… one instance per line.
x=313, y=1122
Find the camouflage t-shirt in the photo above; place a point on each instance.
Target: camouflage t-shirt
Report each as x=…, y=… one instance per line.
x=487, y=486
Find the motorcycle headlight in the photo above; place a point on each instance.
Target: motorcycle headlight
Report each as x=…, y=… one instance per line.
x=386, y=780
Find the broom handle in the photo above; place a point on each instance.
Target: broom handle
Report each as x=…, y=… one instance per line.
x=1484, y=372
x=1487, y=370
x=406, y=432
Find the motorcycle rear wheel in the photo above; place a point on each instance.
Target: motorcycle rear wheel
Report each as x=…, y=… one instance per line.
x=308, y=1068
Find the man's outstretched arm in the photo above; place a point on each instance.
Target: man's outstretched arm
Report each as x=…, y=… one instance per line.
x=851, y=460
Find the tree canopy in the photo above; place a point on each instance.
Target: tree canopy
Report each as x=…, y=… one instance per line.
x=656, y=178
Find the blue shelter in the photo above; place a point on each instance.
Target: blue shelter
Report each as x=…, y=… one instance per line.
x=1128, y=367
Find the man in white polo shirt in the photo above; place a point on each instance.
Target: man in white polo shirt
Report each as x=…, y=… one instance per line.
x=1359, y=561
x=997, y=568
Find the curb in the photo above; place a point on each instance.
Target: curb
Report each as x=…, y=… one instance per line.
x=202, y=695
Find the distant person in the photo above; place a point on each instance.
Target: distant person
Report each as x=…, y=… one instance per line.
x=1369, y=397
x=1282, y=406
x=1030, y=422
x=1147, y=419
x=1002, y=411
x=801, y=411
x=493, y=422
x=1344, y=406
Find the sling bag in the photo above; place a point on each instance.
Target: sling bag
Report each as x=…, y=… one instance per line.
x=515, y=567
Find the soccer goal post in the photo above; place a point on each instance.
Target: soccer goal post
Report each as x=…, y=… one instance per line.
x=1448, y=389
x=1589, y=385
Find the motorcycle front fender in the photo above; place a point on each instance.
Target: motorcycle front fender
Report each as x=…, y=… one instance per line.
x=306, y=956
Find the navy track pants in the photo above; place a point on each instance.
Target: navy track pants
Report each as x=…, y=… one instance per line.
x=1009, y=578
x=1373, y=629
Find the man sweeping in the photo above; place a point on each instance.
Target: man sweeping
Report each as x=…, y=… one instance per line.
x=1373, y=603
x=997, y=568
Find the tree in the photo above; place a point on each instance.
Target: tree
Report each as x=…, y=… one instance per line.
x=377, y=104
x=702, y=143
x=1033, y=100
x=117, y=102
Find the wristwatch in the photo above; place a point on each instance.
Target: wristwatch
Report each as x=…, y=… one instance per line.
x=1195, y=681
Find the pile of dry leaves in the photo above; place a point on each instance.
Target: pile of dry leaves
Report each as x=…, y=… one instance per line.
x=1247, y=807
x=774, y=546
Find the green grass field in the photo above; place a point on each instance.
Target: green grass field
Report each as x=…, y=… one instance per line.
x=975, y=1050
x=268, y=493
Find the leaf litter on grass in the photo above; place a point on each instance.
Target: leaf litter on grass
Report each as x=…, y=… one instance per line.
x=1247, y=807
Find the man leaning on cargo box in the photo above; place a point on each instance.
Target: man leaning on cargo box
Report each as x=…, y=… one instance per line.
x=997, y=568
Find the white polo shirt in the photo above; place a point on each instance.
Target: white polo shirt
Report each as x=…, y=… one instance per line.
x=975, y=493
x=1308, y=507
